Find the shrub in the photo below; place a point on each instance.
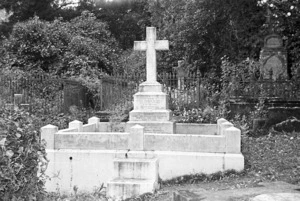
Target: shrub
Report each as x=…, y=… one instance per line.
x=22, y=157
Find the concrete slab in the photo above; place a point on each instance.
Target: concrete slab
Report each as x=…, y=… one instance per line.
x=126, y=188
x=277, y=197
x=281, y=188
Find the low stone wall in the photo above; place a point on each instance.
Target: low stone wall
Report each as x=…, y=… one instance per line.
x=225, y=139
x=85, y=159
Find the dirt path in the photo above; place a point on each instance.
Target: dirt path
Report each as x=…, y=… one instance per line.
x=226, y=190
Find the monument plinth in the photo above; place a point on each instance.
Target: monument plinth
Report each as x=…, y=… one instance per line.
x=151, y=108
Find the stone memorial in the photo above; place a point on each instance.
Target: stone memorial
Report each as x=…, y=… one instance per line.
x=182, y=72
x=273, y=58
x=151, y=108
x=130, y=163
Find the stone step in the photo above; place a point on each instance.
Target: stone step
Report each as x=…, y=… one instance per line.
x=150, y=115
x=136, y=168
x=120, y=189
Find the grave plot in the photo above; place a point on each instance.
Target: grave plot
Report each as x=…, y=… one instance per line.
x=152, y=147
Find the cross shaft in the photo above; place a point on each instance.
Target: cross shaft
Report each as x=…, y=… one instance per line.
x=150, y=46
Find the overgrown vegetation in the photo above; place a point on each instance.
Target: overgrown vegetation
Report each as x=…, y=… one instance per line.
x=22, y=157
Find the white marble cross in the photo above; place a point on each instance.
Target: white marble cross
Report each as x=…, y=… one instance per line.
x=150, y=46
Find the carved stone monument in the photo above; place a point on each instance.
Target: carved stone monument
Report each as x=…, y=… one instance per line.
x=182, y=73
x=151, y=108
x=273, y=58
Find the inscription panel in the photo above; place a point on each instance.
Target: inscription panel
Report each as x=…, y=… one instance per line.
x=143, y=102
x=273, y=43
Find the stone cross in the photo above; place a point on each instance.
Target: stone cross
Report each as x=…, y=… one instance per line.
x=150, y=46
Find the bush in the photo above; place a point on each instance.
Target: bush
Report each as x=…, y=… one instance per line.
x=22, y=157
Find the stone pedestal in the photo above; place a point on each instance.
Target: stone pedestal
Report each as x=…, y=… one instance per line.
x=151, y=109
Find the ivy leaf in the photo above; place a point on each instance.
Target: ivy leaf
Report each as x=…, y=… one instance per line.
x=9, y=153
x=2, y=142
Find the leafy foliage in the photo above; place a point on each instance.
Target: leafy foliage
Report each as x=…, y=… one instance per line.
x=23, y=10
x=127, y=19
x=202, y=32
x=22, y=157
x=81, y=46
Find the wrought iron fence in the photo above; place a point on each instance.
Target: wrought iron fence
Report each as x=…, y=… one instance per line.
x=282, y=90
x=42, y=93
x=120, y=89
x=52, y=95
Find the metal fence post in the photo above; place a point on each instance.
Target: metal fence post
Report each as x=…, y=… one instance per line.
x=198, y=88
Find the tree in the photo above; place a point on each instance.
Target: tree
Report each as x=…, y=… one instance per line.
x=126, y=19
x=202, y=32
x=79, y=47
x=24, y=9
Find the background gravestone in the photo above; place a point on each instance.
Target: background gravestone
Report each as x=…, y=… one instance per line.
x=273, y=58
x=182, y=73
x=75, y=94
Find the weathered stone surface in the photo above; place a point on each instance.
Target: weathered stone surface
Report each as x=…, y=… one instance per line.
x=185, y=195
x=135, y=154
x=158, y=115
x=193, y=128
x=274, y=191
x=273, y=58
x=76, y=125
x=136, y=138
x=136, y=168
x=277, y=197
x=182, y=142
x=233, y=140
x=153, y=126
x=48, y=134
x=150, y=101
x=150, y=87
x=91, y=141
x=120, y=189
x=150, y=46
x=273, y=41
x=90, y=168
x=289, y=125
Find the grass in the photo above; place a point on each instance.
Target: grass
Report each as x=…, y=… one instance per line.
x=275, y=156
x=272, y=157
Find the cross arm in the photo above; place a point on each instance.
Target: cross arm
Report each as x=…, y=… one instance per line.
x=140, y=45
x=162, y=45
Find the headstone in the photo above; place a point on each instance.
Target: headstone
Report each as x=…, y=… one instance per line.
x=151, y=109
x=75, y=95
x=18, y=103
x=273, y=58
